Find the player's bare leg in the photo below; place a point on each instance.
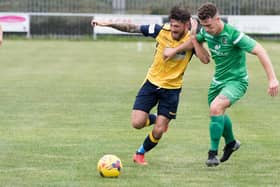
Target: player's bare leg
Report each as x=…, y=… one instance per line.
x=140, y=119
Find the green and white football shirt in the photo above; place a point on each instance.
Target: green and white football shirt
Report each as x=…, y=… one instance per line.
x=228, y=51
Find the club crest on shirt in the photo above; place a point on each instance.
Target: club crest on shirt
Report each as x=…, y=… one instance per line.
x=224, y=40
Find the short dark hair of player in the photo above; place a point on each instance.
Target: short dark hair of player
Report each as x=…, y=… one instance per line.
x=206, y=11
x=180, y=13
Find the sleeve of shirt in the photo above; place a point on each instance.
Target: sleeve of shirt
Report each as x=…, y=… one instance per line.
x=200, y=36
x=150, y=30
x=243, y=41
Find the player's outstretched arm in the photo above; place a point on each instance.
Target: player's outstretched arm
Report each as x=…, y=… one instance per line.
x=273, y=83
x=125, y=27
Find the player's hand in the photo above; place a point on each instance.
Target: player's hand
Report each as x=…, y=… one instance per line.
x=194, y=26
x=95, y=22
x=273, y=87
x=168, y=53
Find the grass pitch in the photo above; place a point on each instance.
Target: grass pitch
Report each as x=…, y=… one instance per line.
x=64, y=104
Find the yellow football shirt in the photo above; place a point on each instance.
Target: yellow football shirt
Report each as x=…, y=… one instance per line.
x=168, y=74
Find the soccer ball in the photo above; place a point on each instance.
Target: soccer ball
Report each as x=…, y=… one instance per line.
x=109, y=166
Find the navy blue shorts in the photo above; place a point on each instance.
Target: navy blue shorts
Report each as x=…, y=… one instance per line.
x=150, y=95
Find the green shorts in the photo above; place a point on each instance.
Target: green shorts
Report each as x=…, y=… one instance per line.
x=233, y=90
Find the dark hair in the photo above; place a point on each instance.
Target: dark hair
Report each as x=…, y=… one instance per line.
x=206, y=11
x=180, y=13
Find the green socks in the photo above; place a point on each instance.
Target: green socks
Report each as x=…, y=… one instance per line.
x=216, y=130
x=220, y=126
x=228, y=133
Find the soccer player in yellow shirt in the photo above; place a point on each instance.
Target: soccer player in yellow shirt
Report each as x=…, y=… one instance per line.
x=163, y=83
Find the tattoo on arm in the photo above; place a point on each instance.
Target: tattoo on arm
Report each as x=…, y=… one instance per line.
x=126, y=27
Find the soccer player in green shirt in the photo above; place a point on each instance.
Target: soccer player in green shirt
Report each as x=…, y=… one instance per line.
x=228, y=48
